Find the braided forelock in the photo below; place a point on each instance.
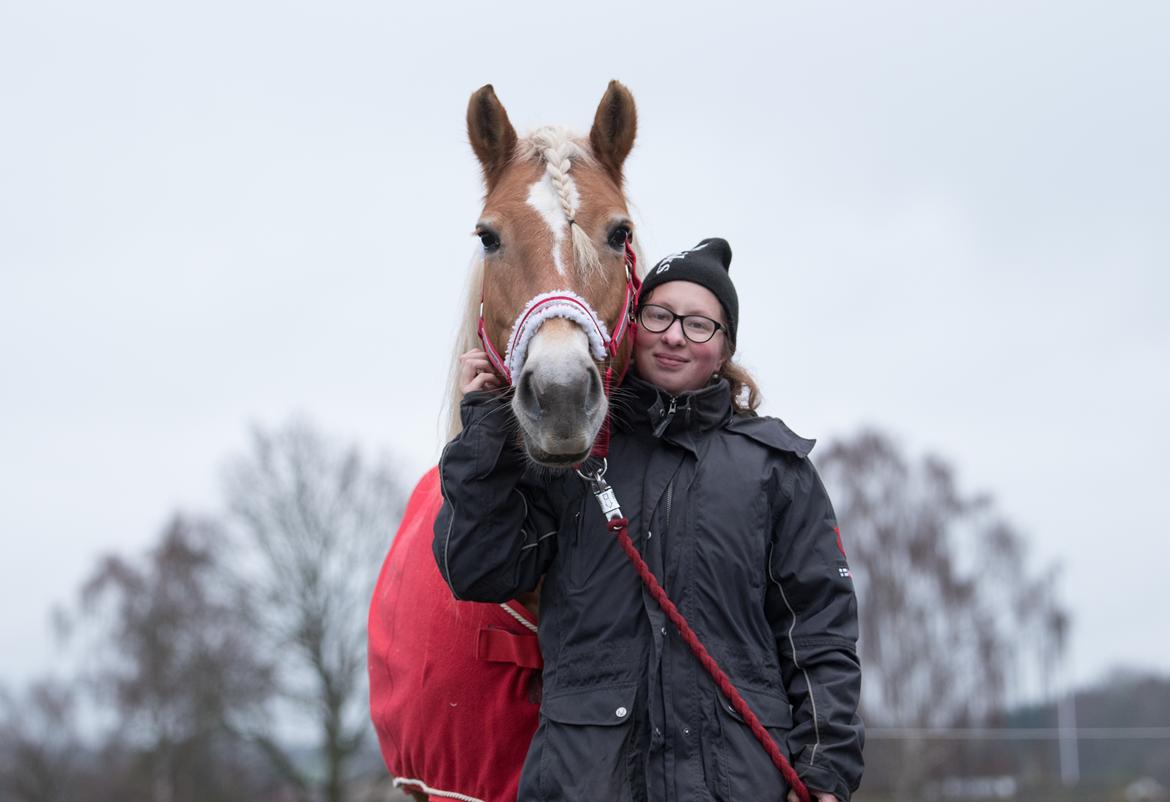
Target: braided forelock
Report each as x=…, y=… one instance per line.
x=556, y=147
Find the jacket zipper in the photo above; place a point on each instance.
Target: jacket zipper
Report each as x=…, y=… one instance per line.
x=669, y=494
x=667, y=417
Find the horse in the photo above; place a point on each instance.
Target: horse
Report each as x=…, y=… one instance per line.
x=454, y=686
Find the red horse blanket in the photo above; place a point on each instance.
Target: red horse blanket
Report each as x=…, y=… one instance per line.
x=454, y=686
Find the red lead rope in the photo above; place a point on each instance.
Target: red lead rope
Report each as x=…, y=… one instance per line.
x=620, y=528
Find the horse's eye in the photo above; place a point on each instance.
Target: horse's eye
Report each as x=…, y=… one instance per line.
x=490, y=241
x=619, y=237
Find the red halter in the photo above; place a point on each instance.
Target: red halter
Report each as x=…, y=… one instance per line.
x=625, y=323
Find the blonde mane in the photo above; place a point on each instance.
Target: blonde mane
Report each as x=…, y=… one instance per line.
x=559, y=149
x=466, y=338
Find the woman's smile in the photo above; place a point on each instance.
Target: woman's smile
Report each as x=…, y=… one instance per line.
x=670, y=361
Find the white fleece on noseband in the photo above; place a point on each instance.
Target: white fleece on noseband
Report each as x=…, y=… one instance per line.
x=528, y=322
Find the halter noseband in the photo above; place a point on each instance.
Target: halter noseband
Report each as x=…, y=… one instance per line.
x=567, y=304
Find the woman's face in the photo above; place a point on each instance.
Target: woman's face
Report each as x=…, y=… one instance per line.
x=670, y=360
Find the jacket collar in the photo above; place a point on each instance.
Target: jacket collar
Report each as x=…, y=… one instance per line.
x=650, y=408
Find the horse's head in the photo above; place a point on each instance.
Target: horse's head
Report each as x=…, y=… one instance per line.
x=555, y=224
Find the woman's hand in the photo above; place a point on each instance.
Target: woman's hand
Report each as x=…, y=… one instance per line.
x=792, y=797
x=476, y=372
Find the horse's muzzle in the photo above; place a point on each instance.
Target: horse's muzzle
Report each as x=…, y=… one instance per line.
x=559, y=414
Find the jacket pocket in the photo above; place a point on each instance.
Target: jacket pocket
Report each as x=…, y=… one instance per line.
x=585, y=746
x=742, y=770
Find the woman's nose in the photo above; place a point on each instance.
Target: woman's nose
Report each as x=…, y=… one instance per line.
x=673, y=335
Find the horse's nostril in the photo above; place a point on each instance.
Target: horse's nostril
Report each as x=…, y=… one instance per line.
x=595, y=391
x=526, y=390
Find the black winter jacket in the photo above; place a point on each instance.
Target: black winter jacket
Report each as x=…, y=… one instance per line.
x=733, y=520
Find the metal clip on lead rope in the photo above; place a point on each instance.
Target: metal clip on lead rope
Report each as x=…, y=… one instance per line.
x=602, y=491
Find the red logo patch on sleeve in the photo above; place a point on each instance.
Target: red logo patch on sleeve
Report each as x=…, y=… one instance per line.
x=840, y=545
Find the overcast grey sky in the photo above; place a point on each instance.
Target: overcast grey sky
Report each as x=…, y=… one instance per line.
x=949, y=220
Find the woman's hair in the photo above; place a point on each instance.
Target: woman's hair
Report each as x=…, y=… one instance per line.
x=745, y=393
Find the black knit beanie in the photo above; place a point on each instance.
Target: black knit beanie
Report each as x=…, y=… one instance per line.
x=707, y=264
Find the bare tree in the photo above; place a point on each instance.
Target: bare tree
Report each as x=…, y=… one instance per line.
x=38, y=744
x=320, y=519
x=170, y=652
x=949, y=614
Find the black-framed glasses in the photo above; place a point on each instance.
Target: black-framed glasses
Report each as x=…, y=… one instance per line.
x=696, y=328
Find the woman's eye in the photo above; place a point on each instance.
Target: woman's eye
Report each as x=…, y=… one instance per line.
x=490, y=241
x=619, y=237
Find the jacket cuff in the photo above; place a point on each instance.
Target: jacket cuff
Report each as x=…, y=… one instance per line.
x=489, y=432
x=484, y=405
x=476, y=405
x=824, y=780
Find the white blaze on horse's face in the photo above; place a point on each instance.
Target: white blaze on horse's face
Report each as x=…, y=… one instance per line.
x=542, y=197
x=553, y=203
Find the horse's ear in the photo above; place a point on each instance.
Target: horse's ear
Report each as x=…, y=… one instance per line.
x=614, y=128
x=492, y=136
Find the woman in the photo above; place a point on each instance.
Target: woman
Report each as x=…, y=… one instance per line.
x=731, y=517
